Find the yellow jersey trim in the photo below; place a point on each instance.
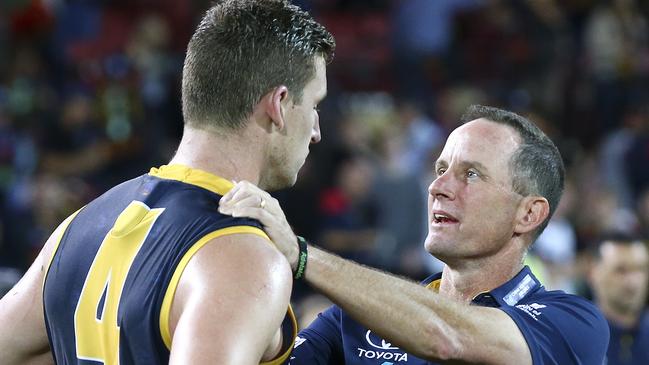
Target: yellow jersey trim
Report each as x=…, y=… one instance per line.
x=58, y=236
x=434, y=285
x=192, y=176
x=165, y=310
x=280, y=360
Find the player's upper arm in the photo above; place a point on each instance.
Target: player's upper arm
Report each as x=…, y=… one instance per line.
x=230, y=302
x=23, y=339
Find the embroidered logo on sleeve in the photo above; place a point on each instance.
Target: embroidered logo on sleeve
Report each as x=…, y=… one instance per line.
x=532, y=309
x=298, y=341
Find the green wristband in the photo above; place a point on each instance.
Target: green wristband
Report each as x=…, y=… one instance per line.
x=301, y=259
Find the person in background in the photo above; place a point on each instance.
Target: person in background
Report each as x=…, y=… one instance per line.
x=619, y=279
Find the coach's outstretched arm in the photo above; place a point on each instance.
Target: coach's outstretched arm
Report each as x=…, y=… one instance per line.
x=415, y=318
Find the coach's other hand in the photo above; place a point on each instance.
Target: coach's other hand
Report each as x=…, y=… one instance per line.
x=247, y=200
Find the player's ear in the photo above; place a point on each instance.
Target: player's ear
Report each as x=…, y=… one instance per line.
x=276, y=102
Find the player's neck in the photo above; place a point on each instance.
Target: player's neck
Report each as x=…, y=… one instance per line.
x=235, y=156
x=465, y=281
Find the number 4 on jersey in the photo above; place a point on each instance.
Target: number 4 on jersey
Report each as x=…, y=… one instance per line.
x=95, y=319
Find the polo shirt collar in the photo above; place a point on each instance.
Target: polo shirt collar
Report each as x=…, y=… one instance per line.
x=508, y=294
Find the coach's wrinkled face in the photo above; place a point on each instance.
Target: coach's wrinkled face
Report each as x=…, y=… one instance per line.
x=471, y=205
x=620, y=276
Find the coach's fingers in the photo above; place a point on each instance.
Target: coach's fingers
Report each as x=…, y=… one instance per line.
x=247, y=200
x=240, y=190
x=243, y=190
x=274, y=224
x=236, y=193
x=260, y=214
x=230, y=193
x=240, y=200
x=246, y=194
x=237, y=190
x=268, y=212
x=233, y=197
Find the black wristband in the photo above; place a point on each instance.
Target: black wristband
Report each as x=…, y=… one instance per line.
x=301, y=258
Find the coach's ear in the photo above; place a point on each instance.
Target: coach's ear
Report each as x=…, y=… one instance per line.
x=275, y=103
x=532, y=212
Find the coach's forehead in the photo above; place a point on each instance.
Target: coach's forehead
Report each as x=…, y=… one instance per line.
x=482, y=140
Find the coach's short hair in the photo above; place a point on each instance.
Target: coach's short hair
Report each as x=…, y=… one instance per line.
x=536, y=166
x=241, y=50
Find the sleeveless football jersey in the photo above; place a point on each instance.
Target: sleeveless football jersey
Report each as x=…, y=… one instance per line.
x=111, y=280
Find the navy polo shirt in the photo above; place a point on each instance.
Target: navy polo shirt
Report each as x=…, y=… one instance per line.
x=559, y=329
x=629, y=346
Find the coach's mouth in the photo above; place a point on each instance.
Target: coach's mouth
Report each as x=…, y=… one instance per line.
x=441, y=217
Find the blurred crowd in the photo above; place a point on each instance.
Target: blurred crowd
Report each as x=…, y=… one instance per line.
x=90, y=96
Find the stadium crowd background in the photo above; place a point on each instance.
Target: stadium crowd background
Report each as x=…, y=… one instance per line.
x=89, y=97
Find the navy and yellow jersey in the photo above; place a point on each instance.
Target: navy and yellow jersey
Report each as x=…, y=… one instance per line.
x=111, y=280
x=559, y=329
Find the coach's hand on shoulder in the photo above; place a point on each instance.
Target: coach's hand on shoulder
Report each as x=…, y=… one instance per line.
x=247, y=200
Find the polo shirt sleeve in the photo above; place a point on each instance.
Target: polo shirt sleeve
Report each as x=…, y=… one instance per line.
x=564, y=329
x=321, y=342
